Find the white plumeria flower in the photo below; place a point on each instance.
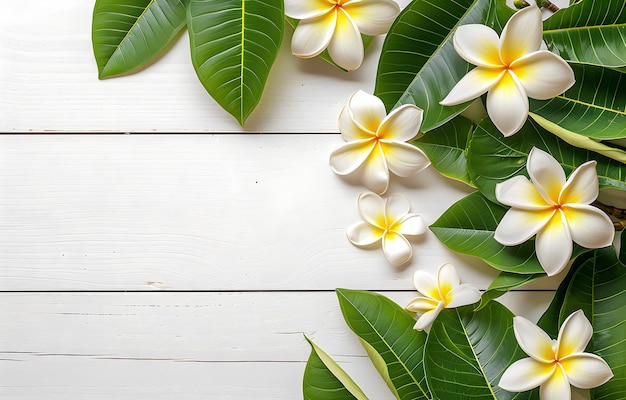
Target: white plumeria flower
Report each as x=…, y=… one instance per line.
x=554, y=365
x=442, y=291
x=377, y=141
x=510, y=68
x=387, y=221
x=338, y=25
x=557, y=210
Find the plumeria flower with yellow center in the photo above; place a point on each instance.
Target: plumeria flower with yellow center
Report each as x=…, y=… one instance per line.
x=387, y=221
x=377, y=141
x=337, y=25
x=442, y=291
x=557, y=210
x=510, y=68
x=554, y=365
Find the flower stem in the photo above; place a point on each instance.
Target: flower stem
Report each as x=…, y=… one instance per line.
x=615, y=212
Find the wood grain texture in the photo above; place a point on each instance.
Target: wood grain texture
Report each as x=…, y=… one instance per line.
x=181, y=345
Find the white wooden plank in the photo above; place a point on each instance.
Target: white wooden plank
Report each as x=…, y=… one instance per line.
x=49, y=82
x=157, y=345
x=208, y=212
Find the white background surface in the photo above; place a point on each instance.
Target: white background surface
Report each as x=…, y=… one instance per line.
x=171, y=265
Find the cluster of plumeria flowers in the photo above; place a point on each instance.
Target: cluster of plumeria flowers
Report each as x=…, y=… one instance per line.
x=554, y=209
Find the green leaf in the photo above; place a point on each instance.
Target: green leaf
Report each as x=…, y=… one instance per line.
x=467, y=352
x=590, y=32
x=493, y=158
x=233, y=46
x=128, y=34
x=468, y=227
x=446, y=146
x=505, y=282
x=598, y=287
x=394, y=346
x=593, y=107
x=418, y=64
x=324, y=379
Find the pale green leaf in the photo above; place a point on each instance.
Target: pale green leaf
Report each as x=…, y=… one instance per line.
x=504, y=282
x=128, y=34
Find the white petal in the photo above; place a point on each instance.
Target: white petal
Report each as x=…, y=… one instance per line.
x=404, y=159
x=426, y=320
x=421, y=305
x=396, y=207
x=557, y=387
x=346, y=45
x=478, y=44
x=397, y=249
x=554, y=245
x=517, y=226
x=402, y=124
x=447, y=278
x=589, y=226
x=375, y=171
x=507, y=105
x=412, y=225
x=364, y=234
x=312, y=36
x=299, y=9
x=525, y=374
x=349, y=157
x=463, y=295
x=533, y=340
x=581, y=186
x=372, y=209
x=474, y=84
x=366, y=112
x=586, y=370
x=521, y=35
x=373, y=17
x=426, y=284
x=519, y=192
x=543, y=75
x=350, y=129
x=574, y=335
x=546, y=173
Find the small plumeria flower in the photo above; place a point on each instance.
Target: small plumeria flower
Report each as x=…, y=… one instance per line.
x=510, y=68
x=442, y=291
x=377, y=141
x=554, y=365
x=387, y=221
x=338, y=25
x=557, y=210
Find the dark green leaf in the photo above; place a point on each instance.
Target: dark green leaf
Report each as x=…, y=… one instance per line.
x=446, y=145
x=504, y=282
x=128, y=34
x=590, y=32
x=493, y=158
x=468, y=227
x=233, y=46
x=386, y=331
x=324, y=379
x=467, y=352
x=418, y=64
x=598, y=287
x=594, y=107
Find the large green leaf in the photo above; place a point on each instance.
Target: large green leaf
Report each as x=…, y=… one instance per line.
x=593, y=107
x=127, y=34
x=386, y=331
x=467, y=352
x=590, y=32
x=598, y=287
x=468, y=227
x=505, y=282
x=418, y=64
x=233, y=46
x=446, y=146
x=324, y=379
x=493, y=158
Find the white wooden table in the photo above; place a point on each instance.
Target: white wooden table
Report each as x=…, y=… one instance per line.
x=187, y=259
